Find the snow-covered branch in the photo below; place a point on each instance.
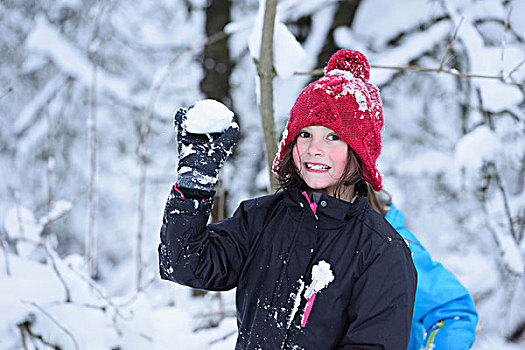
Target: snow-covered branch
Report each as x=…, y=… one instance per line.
x=504, y=79
x=158, y=81
x=52, y=258
x=6, y=256
x=48, y=315
x=504, y=38
x=499, y=183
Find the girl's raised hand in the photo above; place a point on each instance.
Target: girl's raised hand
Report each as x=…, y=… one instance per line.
x=206, y=135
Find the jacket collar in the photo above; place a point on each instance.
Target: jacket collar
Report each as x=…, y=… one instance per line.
x=331, y=212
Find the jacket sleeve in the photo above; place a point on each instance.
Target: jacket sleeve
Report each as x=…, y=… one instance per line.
x=444, y=313
x=198, y=255
x=380, y=307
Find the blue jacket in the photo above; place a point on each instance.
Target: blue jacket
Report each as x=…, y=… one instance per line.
x=444, y=312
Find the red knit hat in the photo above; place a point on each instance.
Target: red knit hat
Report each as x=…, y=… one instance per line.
x=342, y=100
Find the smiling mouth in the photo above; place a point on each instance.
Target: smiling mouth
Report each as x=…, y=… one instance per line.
x=318, y=167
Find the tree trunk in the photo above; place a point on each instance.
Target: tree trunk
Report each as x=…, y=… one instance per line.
x=216, y=61
x=343, y=16
x=266, y=72
x=215, y=84
x=91, y=239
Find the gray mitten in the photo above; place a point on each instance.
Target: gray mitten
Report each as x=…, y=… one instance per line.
x=201, y=155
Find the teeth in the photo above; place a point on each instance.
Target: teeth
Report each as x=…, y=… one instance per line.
x=316, y=166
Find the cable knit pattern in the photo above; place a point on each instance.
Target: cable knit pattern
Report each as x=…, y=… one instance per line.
x=342, y=100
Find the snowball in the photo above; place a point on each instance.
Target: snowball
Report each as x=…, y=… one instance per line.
x=208, y=116
x=321, y=276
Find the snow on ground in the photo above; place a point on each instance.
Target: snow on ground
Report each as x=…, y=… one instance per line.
x=34, y=293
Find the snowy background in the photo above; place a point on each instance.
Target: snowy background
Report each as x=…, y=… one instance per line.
x=453, y=159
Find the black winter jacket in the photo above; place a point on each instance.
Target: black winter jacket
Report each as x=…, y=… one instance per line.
x=267, y=250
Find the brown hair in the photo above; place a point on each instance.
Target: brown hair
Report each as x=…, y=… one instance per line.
x=289, y=177
x=379, y=201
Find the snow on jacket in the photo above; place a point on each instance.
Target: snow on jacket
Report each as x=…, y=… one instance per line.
x=444, y=313
x=268, y=248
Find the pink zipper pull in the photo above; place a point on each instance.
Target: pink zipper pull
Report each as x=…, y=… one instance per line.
x=176, y=189
x=308, y=308
x=313, y=205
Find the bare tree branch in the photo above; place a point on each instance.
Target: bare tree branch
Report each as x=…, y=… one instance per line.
x=450, y=59
x=49, y=168
x=49, y=219
x=25, y=330
x=514, y=69
x=107, y=299
x=92, y=131
x=508, y=213
x=6, y=257
x=442, y=64
x=503, y=266
x=30, y=114
x=91, y=239
x=16, y=196
x=143, y=146
x=116, y=308
x=92, y=284
x=144, y=160
x=51, y=258
x=504, y=79
x=221, y=313
x=504, y=38
x=6, y=92
x=224, y=337
x=23, y=336
x=43, y=222
x=48, y=315
x=428, y=69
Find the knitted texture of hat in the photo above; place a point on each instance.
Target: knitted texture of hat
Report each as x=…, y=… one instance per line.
x=344, y=101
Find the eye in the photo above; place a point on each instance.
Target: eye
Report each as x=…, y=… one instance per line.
x=304, y=134
x=333, y=137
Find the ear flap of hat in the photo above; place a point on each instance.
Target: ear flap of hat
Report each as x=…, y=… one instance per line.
x=372, y=148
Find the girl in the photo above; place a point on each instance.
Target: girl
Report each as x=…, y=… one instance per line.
x=314, y=266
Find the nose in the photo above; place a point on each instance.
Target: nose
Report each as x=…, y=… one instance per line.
x=315, y=147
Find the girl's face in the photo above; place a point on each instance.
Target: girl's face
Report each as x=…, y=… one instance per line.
x=320, y=157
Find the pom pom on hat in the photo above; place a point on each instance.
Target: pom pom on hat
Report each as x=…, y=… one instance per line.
x=351, y=61
x=344, y=101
